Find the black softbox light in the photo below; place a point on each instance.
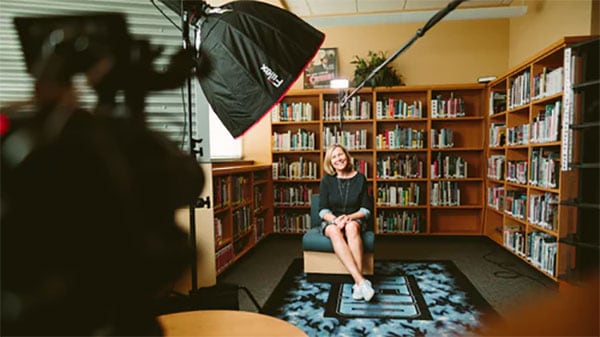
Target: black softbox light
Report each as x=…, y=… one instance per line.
x=250, y=54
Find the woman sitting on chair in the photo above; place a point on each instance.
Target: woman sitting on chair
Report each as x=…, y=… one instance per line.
x=344, y=207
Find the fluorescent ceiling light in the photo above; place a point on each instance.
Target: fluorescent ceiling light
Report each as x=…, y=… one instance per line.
x=415, y=16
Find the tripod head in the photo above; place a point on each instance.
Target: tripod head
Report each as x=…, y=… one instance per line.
x=56, y=48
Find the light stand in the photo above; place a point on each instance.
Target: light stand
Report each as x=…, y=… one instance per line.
x=420, y=32
x=218, y=296
x=252, y=52
x=193, y=152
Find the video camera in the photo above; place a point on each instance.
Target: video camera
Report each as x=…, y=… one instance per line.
x=88, y=197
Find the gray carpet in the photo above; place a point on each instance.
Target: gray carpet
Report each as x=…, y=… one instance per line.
x=503, y=280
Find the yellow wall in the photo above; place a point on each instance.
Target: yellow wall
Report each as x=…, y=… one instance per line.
x=256, y=142
x=546, y=22
x=451, y=52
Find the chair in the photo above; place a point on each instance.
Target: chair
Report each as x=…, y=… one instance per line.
x=319, y=257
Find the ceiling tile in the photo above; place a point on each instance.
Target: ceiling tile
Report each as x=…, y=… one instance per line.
x=308, y=8
x=328, y=7
x=380, y=5
x=425, y=4
x=298, y=7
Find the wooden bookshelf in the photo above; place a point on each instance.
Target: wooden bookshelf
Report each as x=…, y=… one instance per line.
x=524, y=181
x=388, y=133
x=242, y=213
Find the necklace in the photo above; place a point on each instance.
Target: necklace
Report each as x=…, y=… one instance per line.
x=344, y=187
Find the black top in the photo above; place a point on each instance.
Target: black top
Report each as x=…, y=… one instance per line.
x=344, y=195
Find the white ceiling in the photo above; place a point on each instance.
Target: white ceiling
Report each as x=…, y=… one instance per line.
x=314, y=8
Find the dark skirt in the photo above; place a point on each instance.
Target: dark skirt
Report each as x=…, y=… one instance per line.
x=362, y=222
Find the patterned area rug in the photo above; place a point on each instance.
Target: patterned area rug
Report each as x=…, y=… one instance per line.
x=412, y=298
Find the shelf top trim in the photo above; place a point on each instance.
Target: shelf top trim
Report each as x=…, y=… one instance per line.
x=554, y=47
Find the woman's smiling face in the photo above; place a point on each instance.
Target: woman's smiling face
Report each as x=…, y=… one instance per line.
x=339, y=160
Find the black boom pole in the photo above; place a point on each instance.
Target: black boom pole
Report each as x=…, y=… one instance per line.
x=420, y=32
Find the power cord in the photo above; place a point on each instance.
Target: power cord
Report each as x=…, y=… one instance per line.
x=508, y=272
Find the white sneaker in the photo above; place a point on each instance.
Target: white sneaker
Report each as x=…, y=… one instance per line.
x=356, y=293
x=366, y=290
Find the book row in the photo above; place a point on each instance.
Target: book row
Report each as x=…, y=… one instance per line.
x=520, y=90
x=398, y=195
x=351, y=140
x=292, y=195
x=548, y=82
x=448, y=166
x=356, y=109
x=445, y=193
x=360, y=109
x=447, y=107
x=292, y=112
x=301, y=140
x=399, y=222
x=539, y=250
x=298, y=169
x=284, y=222
x=400, y=138
x=401, y=166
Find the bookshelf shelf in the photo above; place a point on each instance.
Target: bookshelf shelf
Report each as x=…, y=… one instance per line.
x=221, y=210
x=467, y=207
x=585, y=85
x=222, y=244
x=547, y=144
x=401, y=120
x=284, y=181
x=458, y=119
x=388, y=127
x=594, y=124
x=399, y=180
x=348, y=121
x=547, y=99
x=545, y=189
x=516, y=185
x=297, y=152
x=401, y=206
x=531, y=219
x=457, y=149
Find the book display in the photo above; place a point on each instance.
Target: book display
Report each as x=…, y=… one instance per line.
x=242, y=216
x=525, y=183
x=421, y=148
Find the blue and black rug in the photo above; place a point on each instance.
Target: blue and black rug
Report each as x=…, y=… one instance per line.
x=412, y=298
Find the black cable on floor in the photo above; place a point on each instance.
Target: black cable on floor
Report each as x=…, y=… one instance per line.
x=508, y=272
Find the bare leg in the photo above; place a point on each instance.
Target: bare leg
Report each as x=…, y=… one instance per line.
x=340, y=246
x=355, y=243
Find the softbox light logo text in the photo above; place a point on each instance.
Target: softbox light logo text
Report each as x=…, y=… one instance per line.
x=271, y=76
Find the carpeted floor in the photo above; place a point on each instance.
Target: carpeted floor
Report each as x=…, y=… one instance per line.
x=413, y=298
x=504, y=281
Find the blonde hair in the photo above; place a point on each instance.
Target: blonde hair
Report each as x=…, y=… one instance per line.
x=329, y=169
